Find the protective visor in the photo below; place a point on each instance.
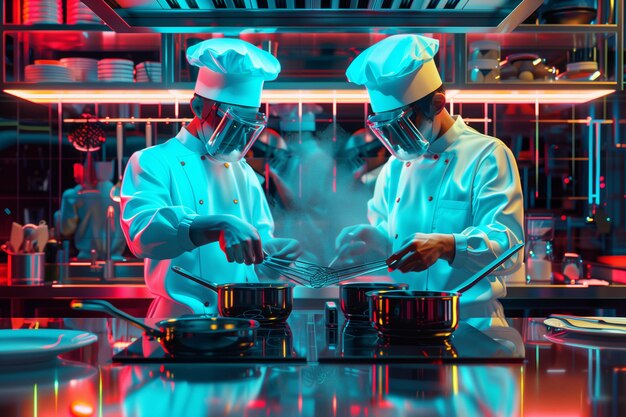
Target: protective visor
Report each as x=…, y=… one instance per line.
x=396, y=131
x=236, y=132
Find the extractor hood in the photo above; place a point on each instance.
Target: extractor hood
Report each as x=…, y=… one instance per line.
x=259, y=16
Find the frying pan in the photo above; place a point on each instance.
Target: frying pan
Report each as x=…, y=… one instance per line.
x=268, y=303
x=191, y=335
x=423, y=314
x=354, y=301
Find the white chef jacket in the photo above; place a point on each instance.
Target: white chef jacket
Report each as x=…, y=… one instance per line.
x=165, y=187
x=83, y=216
x=467, y=185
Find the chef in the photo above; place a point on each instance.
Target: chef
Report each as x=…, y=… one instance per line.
x=448, y=201
x=83, y=212
x=193, y=201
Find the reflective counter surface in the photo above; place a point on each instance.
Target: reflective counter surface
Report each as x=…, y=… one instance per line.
x=562, y=377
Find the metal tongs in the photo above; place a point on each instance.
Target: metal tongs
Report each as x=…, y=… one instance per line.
x=315, y=276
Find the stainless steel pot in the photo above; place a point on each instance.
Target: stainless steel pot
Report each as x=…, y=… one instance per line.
x=354, y=301
x=423, y=314
x=265, y=302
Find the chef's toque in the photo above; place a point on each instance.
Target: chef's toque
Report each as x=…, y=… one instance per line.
x=397, y=71
x=232, y=71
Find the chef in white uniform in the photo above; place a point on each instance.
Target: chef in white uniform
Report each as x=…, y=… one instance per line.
x=193, y=201
x=449, y=199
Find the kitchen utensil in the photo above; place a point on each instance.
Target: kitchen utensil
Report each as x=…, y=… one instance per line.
x=354, y=301
x=267, y=303
x=424, y=314
x=602, y=325
x=42, y=236
x=301, y=272
x=28, y=346
x=17, y=236
x=315, y=276
x=29, y=233
x=189, y=335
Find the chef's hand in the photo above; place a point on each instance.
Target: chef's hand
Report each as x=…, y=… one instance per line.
x=283, y=248
x=358, y=243
x=238, y=239
x=420, y=251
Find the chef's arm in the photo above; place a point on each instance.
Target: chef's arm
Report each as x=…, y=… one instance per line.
x=497, y=213
x=378, y=206
x=153, y=226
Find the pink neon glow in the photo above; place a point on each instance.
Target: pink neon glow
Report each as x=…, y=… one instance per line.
x=304, y=96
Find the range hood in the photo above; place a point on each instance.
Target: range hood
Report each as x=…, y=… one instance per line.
x=260, y=16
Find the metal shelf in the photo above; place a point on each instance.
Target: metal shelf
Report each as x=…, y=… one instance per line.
x=82, y=27
x=553, y=28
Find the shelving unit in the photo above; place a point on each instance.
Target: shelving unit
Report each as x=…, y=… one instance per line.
x=176, y=87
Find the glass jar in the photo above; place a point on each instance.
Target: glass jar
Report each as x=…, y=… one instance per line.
x=484, y=71
x=572, y=267
x=539, y=254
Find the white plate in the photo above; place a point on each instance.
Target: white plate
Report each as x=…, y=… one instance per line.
x=564, y=337
x=591, y=329
x=30, y=346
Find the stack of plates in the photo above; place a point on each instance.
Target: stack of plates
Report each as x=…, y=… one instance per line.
x=111, y=69
x=42, y=11
x=82, y=69
x=42, y=73
x=77, y=12
x=148, y=72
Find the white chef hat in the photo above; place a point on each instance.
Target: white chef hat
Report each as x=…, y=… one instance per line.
x=289, y=120
x=232, y=71
x=397, y=71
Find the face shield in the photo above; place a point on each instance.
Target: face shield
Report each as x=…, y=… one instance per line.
x=396, y=131
x=235, y=133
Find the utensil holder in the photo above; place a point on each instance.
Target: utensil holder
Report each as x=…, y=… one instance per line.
x=26, y=268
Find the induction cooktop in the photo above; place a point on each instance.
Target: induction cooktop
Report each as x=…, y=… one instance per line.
x=273, y=344
x=358, y=342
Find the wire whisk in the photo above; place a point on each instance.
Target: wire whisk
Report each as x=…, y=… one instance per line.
x=315, y=276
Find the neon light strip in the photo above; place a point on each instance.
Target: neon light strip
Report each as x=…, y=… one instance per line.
x=308, y=96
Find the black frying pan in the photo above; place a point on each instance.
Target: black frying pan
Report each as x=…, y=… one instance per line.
x=415, y=314
x=191, y=335
x=265, y=302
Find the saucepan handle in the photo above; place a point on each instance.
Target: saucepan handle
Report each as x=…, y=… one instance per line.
x=194, y=278
x=106, y=307
x=490, y=268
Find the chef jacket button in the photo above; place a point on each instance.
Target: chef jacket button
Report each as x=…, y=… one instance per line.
x=446, y=161
x=182, y=163
x=408, y=164
x=435, y=156
x=203, y=157
x=398, y=200
x=430, y=198
x=201, y=201
x=206, y=304
x=226, y=164
x=235, y=201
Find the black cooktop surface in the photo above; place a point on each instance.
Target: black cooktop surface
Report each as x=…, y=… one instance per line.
x=273, y=344
x=358, y=342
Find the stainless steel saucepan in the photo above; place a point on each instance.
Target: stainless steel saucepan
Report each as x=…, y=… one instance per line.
x=415, y=314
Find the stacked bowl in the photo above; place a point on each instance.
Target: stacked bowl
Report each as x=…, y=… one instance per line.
x=82, y=69
x=42, y=11
x=77, y=12
x=148, y=72
x=47, y=71
x=115, y=70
